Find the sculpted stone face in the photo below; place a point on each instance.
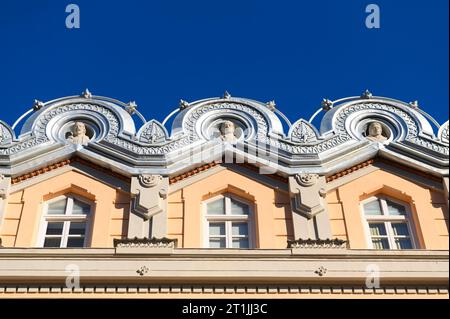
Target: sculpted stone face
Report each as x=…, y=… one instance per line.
x=227, y=130
x=376, y=132
x=79, y=134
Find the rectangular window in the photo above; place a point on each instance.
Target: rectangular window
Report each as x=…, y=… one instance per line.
x=228, y=223
x=65, y=223
x=388, y=224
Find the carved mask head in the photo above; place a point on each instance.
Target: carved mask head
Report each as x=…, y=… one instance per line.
x=79, y=129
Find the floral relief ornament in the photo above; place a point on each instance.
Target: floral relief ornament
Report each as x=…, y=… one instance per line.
x=148, y=181
x=306, y=179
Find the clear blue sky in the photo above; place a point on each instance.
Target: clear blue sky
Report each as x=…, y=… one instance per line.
x=156, y=52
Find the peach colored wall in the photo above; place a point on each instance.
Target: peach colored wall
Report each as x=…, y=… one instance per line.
x=428, y=206
x=11, y=219
x=273, y=222
x=336, y=214
x=23, y=214
x=175, y=214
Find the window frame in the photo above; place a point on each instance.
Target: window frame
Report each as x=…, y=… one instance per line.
x=387, y=221
x=228, y=218
x=66, y=219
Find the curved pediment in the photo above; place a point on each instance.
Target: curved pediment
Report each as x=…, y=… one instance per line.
x=104, y=130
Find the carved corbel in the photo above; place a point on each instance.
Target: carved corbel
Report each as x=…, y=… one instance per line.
x=148, y=216
x=307, y=194
x=148, y=194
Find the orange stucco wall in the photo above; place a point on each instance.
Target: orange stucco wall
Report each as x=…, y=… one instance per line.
x=273, y=221
x=23, y=213
x=428, y=207
x=272, y=226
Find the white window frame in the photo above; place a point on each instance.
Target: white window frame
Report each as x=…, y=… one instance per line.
x=66, y=218
x=388, y=220
x=228, y=218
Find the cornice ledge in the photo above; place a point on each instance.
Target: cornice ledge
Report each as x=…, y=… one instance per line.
x=318, y=243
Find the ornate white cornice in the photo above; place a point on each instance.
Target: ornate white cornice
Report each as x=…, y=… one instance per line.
x=114, y=139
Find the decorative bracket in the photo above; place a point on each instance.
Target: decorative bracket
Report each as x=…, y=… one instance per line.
x=307, y=192
x=148, y=194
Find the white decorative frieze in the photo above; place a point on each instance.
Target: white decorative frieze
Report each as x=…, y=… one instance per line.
x=352, y=125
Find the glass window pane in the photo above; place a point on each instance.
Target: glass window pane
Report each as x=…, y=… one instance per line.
x=52, y=242
x=377, y=229
x=77, y=228
x=216, y=208
x=239, y=229
x=372, y=208
x=75, y=242
x=380, y=243
x=240, y=243
x=400, y=229
x=217, y=243
x=80, y=208
x=395, y=209
x=55, y=228
x=403, y=243
x=238, y=208
x=216, y=229
x=57, y=208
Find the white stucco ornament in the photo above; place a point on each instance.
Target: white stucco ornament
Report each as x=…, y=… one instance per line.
x=116, y=135
x=376, y=133
x=227, y=131
x=77, y=135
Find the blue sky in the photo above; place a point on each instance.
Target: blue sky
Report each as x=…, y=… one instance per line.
x=156, y=52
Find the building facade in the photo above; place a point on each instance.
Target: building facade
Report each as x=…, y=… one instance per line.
x=234, y=202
